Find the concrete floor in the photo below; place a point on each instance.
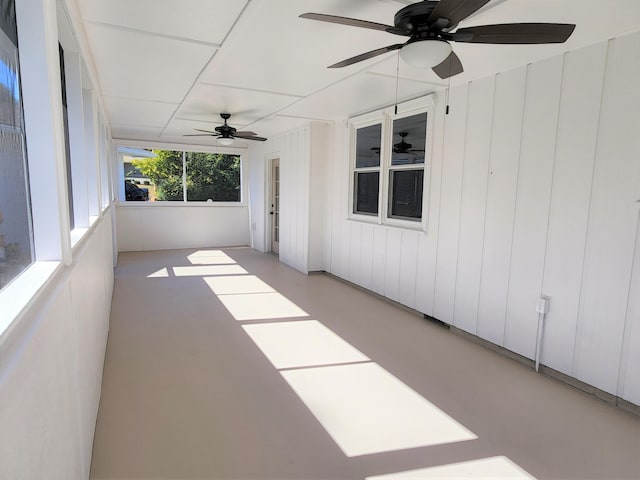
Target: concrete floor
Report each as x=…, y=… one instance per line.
x=228, y=364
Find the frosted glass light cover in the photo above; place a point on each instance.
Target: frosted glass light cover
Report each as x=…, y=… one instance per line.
x=225, y=141
x=425, y=53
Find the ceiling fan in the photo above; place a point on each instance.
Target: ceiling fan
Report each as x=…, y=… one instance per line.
x=402, y=146
x=225, y=133
x=429, y=25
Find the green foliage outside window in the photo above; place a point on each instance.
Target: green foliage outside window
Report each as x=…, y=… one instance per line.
x=210, y=176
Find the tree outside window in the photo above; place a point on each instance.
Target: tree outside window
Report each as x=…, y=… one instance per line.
x=202, y=176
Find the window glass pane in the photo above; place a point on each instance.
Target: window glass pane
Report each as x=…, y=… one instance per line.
x=366, y=190
x=153, y=175
x=16, y=241
x=159, y=175
x=67, y=147
x=409, y=139
x=213, y=176
x=405, y=190
x=368, y=146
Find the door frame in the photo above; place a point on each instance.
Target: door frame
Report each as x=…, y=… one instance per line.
x=269, y=160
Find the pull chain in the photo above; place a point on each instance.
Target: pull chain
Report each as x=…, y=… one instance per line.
x=397, y=81
x=448, y=87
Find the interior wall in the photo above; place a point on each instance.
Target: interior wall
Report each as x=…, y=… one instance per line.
x=164, y=227
x=51, y=363
x=303, y=158
x=534, y=190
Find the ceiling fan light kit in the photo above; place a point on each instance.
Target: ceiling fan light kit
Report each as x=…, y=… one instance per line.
x=226, y=141
x=431, y=25
x=425, y=53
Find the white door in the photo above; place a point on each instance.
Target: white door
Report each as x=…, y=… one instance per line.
x=275, y=205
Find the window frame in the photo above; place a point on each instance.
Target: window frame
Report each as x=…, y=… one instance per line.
x=10, y=48
x=386, y=117
x=365, y=122
x=242, y=152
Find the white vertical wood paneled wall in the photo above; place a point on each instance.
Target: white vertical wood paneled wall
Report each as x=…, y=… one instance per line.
x=294, y=149
x=535, y=182
x=51, y=363
x=303, y=156
x=165, y=227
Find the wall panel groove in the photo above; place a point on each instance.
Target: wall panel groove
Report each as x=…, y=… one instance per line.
x=532, y=204
x=450, y=201
x=473, y=203
x=569, y=209
x=501, y=199
x=613, y=222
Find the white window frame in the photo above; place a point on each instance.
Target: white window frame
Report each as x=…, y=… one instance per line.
x=242, y=152
x=386, y=117
x=364, y=122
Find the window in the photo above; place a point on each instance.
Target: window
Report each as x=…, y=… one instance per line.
x=388, y=168
x=406, y=173
x=173, y=175
x=67, y=147
x=16, y=241
x=366, y=176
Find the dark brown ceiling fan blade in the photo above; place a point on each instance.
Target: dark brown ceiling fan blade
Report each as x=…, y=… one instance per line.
x=257, y=139
x=367, y=55
x=449, y=67
x=205, y=131
x=354, y=22
x=245, y=134
x=454, y=11
x=201, y=135
x=515, y=33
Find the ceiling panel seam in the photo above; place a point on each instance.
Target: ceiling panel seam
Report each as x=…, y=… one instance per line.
x=154, y=34
x=141, y=100
x=249, y=89
x=322, y=89
x=173, y=115
x=408, y=79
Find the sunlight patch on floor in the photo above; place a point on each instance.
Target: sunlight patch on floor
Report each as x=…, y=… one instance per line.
x=162, y=273
x=231, y=285
x=207, y=253
x=493, y=467
x=302, y=344
x=363, y=407
x=203, y=270
x=261, y=306
x=214, y=260
x=367, y=410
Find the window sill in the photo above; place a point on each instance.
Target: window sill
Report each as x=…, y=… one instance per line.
x=181, y=204
x=391, y=223
x=77, y=234
x=23, y=291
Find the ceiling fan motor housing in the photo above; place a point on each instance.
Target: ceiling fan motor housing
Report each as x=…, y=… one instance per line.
x=414, y=19
x=226, y=130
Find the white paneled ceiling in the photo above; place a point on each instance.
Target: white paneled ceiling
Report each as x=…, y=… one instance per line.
x=167, y=18
x=166, y=67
